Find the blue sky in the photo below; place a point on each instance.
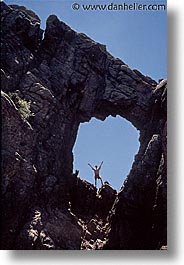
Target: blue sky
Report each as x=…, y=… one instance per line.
x=139, y=38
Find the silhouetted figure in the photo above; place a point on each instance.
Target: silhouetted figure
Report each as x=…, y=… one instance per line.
x=76, y=176
x=76, y=173
x=97, y=172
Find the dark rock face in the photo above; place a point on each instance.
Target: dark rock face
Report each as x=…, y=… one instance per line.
x=69, y=78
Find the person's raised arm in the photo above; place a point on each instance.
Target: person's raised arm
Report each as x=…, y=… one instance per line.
x=91, y=166
x=100, y=165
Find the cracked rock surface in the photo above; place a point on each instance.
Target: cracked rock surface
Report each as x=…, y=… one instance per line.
x=60, y=80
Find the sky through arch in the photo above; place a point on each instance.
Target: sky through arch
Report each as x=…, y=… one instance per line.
x=115, y=141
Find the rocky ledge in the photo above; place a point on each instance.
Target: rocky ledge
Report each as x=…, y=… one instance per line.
x=50, y=84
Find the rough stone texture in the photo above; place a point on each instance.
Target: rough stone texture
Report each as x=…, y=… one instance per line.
x=69, y=79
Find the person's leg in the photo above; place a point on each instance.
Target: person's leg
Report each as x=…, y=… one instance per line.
x=95, y=182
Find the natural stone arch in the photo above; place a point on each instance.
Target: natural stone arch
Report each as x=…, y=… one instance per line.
x=111, y=88
x=70, y=78
x=92, y=82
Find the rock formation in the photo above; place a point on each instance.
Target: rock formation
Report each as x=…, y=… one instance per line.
x=50, y=84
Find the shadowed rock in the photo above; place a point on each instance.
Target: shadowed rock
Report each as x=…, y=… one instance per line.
x=69, y=78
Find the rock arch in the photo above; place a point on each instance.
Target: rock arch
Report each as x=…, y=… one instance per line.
x=69, y=78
